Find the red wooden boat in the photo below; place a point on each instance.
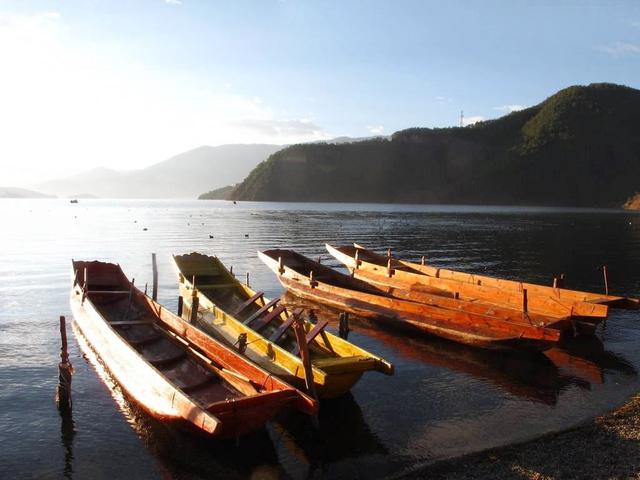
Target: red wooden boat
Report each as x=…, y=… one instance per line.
x=311, y=280
x=168, y=367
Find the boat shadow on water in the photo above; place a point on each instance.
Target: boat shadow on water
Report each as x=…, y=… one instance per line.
x=535, y=376
x=342, y=433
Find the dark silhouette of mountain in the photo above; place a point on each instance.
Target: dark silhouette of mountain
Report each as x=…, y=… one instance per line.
x=579, y=147
x=183, y=176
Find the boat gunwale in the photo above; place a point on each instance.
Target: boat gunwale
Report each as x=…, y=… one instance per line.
x=274, y=264
x=350, y=364
x=156, y=310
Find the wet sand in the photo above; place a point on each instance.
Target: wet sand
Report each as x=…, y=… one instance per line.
x=606, y=447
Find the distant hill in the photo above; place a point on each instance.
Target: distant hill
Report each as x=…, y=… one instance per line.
x=579, y=147
x=13, y=192
x=217, y=194
x=183, y=176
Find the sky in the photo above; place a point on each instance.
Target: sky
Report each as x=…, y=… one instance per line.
x=125, y=84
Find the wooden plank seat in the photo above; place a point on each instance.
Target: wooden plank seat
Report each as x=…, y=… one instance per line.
x=315, y=331
x=268, y=318
x=261, y=311
x=275, y=336
x=249, y=302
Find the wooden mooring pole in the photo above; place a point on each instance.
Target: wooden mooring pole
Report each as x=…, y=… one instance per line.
x=344, y=329
x=195, y=304
x=154, y=264
x=65, y=372
x=180, y=305
x=606, y=280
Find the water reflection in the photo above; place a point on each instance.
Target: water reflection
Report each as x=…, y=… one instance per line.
x=67, y=433
x=343, y=433
x=587, y=358
x=534, y=376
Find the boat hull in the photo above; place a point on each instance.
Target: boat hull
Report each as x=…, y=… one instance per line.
x=333, y=376
x=484, y=332
x=585, y=316
x=142, y=384
x=177, y=359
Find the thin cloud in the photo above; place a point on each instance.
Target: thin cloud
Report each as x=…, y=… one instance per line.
x=173, y=2
x=375, y=130
x=297, y=130
x=472, y=120
x=510, y=108
x=620, y=49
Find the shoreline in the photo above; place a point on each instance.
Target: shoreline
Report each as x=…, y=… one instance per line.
x=607, y=446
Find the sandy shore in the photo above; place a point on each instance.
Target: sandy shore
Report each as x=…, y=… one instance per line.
x=606, y=447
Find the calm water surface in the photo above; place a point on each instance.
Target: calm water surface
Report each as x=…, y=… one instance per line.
x=443, y=400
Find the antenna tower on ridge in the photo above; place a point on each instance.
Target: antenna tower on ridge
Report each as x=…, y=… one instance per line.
x=461, y=118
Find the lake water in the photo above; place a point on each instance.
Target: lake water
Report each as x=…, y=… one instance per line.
x=444, y=399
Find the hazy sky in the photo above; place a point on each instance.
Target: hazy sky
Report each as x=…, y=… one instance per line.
x=125, y=84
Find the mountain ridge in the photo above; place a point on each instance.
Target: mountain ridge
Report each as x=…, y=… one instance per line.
x=579, y=147
x=184, y=175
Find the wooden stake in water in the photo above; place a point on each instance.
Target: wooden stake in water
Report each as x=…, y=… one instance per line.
x=344, y=325
x=195, y=304
x=180, y=305
x=154, y=265
x=606, y=280
x=65, y=371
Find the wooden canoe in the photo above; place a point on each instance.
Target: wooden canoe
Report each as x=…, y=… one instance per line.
x=172, y=370
x=549, y=306
x=311, y=280
x=405, y=287
x=533, y=289
x=562, y=294
x=228, y=308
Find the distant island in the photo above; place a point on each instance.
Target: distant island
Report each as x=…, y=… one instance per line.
x=13, y=192
x=579, y=147
x=217, y=194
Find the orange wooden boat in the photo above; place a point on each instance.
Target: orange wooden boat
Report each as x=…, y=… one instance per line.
x=392, y=272
x=172, y=370
x=311, y=280
x=563, y=295
x=403, y=287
